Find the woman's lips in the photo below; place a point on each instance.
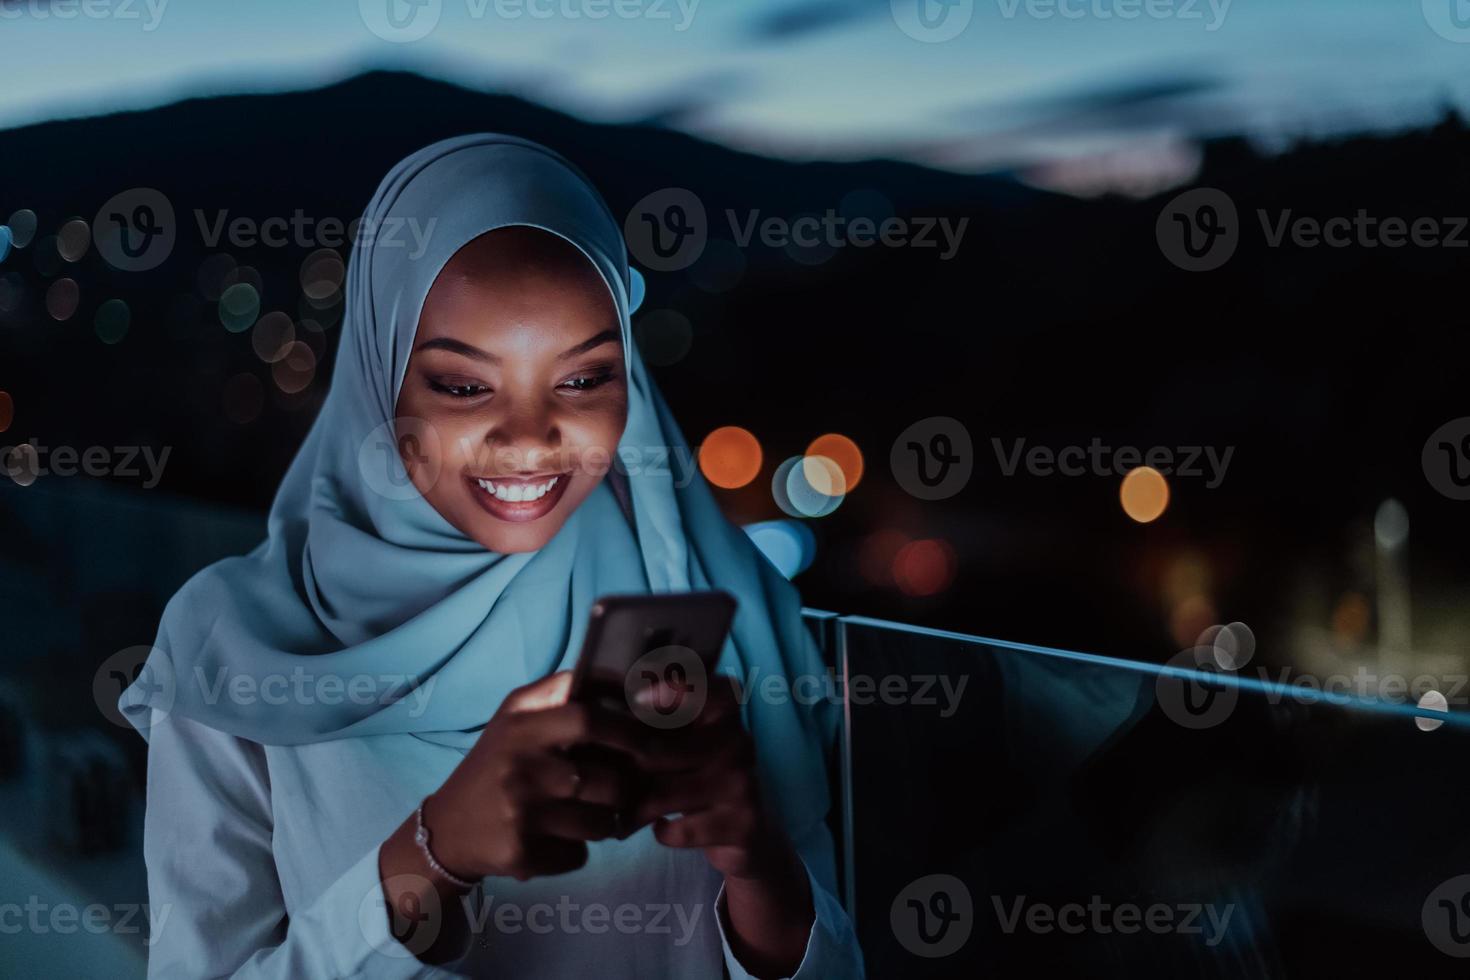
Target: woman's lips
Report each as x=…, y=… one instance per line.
x=498, y=496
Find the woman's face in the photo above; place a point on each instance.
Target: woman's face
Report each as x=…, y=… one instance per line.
x=517, y=373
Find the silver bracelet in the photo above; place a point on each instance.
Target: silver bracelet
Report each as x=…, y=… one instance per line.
x=421, y=838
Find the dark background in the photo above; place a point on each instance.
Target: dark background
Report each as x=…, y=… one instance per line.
x=1059, y=321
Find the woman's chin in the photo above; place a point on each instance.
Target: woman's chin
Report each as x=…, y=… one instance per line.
x=516, y=539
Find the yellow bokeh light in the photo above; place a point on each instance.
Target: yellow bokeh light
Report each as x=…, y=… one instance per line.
x=824, y=476
x=842, y=451
x=730, y=457
x=1144, y=494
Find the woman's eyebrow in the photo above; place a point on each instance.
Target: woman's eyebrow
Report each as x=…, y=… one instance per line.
x=605, y=337
x=458, y=347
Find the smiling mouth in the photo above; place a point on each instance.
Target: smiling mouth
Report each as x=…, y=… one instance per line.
x=519, y=499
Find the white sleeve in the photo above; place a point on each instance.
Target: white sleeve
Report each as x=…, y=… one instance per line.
x=831, y=947
x=212, y=881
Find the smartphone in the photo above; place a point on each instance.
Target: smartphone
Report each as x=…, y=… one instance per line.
x=640, y=639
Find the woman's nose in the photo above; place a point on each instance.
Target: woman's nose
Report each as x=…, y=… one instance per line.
x=524, y=440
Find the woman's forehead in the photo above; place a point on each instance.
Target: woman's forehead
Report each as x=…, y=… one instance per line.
x=510, y=285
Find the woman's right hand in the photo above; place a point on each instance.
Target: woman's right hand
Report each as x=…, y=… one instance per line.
x=518, y=805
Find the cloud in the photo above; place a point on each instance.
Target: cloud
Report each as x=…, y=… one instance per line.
x=812, y=17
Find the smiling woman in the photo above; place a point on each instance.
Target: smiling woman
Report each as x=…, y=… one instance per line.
x=518, y=369
x=374, y=836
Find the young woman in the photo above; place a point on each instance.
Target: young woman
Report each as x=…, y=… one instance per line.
x=359, y=734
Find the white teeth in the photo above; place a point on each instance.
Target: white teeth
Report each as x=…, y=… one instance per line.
x=519, y=492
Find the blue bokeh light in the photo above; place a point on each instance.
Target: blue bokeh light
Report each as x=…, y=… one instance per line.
x=789, y=545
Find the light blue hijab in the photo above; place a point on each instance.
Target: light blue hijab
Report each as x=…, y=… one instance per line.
x=360, y=581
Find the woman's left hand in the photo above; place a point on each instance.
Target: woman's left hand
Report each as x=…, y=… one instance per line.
x=705, y=774
x=705, y=771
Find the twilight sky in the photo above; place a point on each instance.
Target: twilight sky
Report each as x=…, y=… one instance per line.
x=1028, y=83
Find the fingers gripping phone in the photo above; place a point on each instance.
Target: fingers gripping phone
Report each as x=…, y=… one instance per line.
x=651, y=657
x=666, y=642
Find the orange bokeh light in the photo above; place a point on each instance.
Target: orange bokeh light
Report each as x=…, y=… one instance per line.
x=1144, y=494
x=730, y=457
x=7, y=410
x=1352, y=617
x=842, y=451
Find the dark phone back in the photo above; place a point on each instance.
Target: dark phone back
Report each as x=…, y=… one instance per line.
x=670, y=632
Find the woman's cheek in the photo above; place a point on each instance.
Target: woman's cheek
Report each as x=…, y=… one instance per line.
x=462, y=450
x=610, y=424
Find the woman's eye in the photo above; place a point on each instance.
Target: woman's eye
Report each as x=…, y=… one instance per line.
x=587, y=382
x=467, y=390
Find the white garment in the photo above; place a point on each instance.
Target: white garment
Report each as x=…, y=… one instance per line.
x=263, y=862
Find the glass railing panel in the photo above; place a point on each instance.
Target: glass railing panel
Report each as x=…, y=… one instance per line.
x=1013, y=808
